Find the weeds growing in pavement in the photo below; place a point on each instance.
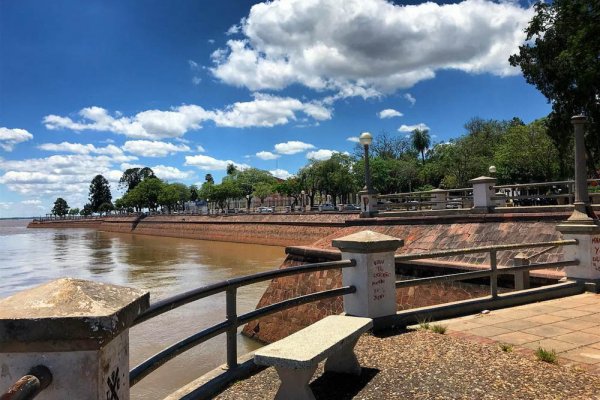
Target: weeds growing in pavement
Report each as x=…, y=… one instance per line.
x=506, y=347
x=424, y=324
x=548, y=356
x=437, y=328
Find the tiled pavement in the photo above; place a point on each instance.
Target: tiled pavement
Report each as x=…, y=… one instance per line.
x=570, y=326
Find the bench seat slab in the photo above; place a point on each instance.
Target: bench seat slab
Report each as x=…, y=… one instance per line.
x=314, y=343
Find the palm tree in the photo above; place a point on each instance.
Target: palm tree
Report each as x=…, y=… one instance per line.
x=421, y=141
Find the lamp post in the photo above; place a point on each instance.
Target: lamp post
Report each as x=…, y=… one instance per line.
x=302, y=193
x=366, y=139
x=368, y=196
x=492, y=170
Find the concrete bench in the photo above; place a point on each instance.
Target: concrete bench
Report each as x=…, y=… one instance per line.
x=296, y=357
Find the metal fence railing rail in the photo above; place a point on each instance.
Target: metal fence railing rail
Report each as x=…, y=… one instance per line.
x=232, y=321
x=493, y=271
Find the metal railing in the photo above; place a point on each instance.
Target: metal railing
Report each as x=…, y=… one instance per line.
x=232, y=321
x=411, y=201
x=493, y=272
x=30, y=385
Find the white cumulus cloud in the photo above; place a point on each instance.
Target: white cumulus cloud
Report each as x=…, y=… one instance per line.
x=322, y=154
x=267, y=111
x=292, y=147
x=153, y=148
x=410, y=128
x=410, y=98
x=368, y=47
x=169, y=173
x=389, y=113
x=264, y=110
x=353, y=139
x=280, y=173
x=113, y=151
x=208, y=163
x=267, y=155
x=9, y=137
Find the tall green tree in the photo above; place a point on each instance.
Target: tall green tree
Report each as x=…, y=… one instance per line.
x=421, y=141
x=99, y=192
x=526, y=154
x=133, y=176
x=61, y=208
x=262, y=190
x=561, y=58
x=247, y=180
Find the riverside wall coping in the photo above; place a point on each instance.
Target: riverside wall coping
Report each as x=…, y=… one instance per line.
x=68, y=313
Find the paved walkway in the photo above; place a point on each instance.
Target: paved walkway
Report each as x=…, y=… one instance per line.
x=570, y=326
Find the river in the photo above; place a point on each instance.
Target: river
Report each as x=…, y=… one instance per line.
x=163, y=266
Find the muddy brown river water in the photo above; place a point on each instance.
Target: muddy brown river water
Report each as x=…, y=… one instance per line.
x=163, y=266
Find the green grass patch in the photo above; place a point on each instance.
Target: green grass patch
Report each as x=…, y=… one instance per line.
x=424, y=324
x=548, y=356
x=506, y=347
x=438, y=328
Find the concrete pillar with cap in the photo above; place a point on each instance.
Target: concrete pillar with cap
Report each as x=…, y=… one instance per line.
x=77, y=329
x=374, y=275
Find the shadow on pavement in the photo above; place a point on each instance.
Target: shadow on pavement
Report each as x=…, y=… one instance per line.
x=337, y=386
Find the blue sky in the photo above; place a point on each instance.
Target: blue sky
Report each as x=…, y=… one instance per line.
x=187, y=86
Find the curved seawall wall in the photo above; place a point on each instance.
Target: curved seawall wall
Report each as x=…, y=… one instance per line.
x=274, y=230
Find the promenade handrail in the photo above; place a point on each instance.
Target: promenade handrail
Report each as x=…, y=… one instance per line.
x=233, y=321
x=30, y=385
x=493, y=271
x=482, y=249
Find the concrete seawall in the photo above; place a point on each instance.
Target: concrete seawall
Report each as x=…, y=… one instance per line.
x=275, y=230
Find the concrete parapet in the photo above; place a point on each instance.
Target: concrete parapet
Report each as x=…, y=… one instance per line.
x=78, y=329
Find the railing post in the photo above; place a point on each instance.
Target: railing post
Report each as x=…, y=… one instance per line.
x=483, y=190
x=374, y=275
x=231, y=311
x=439, y=198
x=583, y=224
x=521, y=277
x=78, y=329
x=493, y=274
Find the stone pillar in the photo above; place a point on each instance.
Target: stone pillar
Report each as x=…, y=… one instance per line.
x=439, y=197
x=368, y=204
x=587, y=251
x=78, y=329
x=583, y=224
x=483, y=191
x=521, y=277
x=374, y=275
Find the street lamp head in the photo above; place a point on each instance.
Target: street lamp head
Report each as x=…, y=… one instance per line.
x=492, y=169
x=302, y=193
x=365, y=138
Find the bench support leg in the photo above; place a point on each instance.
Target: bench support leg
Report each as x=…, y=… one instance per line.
x=344, y=361
x=294, y=384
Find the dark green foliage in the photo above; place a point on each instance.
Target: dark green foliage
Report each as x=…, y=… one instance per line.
x=99, y=192
x=61, y=208
x=133, y=176
x=561, y=59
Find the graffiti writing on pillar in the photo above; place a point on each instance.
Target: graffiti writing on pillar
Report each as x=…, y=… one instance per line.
x=114, y=383
x=379, y=277
x=596, y=252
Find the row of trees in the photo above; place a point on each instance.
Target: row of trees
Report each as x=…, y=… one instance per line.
x=521, y=153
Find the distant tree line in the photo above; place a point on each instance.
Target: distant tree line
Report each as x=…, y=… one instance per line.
x=521, y=152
